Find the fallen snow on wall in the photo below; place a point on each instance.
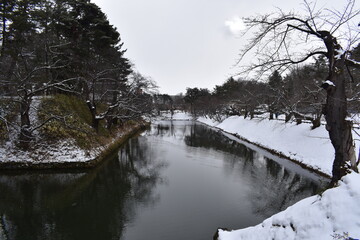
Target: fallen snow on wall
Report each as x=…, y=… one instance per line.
x=335, y=212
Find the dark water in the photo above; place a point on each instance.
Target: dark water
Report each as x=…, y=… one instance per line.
x=176, y=181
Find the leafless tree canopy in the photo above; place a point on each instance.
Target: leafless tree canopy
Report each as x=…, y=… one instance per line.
x=282, y=39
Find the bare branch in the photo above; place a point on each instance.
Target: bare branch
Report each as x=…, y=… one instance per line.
x=279, y=40
x=352, y=63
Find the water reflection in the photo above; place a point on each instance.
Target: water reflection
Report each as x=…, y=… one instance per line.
x=178, y=181
x=274, y=186
x=201, y=136
x=142, y=169
x=92, y=205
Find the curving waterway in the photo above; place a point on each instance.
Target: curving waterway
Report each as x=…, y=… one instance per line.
x=178, y=180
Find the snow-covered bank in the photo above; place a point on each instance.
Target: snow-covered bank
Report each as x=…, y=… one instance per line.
x=312, y=148
x=177, y=115
x=335, y=213
x=66, y=140
x=62, y=154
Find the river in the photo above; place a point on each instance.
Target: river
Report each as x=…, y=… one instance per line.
x=178, y=180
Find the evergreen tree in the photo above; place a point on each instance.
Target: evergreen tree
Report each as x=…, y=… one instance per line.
x=277, y=94
x=6, y=12
x=275, y=81
x=49, y=45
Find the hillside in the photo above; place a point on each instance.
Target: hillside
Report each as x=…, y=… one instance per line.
x=65, y=136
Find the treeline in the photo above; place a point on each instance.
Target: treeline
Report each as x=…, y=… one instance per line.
x=65, y=47
x=299, y=94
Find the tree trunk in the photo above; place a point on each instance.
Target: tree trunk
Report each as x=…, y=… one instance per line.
x=95, y=123
x=316, y=122
x=94, y=120
x=111, y=121
x=25, y=131
x=246, y=114
x=3, y=32
x=288, y=117
x=252, y=114
x=335, y=115
x=271, y=116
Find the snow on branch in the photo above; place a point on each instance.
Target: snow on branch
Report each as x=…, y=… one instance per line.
x=352, y=63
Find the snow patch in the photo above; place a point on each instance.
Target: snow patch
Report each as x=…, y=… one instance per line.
x=57, y=153
x=354, y=61
x=330, y=83
x=339, y=53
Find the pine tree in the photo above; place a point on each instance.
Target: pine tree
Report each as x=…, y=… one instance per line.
x=6, y=9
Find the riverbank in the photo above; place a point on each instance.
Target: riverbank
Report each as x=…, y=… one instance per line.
x=65, y=137
x=299, y=143
x=66, y=154
x=311, y=148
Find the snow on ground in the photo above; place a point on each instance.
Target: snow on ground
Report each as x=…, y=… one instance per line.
x=298, y=142
x=178, y=115
x=56, y=153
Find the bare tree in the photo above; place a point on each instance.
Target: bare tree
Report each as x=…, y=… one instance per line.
x=304, y=96
x=25, y=90
x=123, y=100
x=103, y=87
x=281, y=39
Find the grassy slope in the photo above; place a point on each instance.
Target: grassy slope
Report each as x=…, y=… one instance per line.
x=73, y=120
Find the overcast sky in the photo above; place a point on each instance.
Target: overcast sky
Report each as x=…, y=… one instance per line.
x=188, y=43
